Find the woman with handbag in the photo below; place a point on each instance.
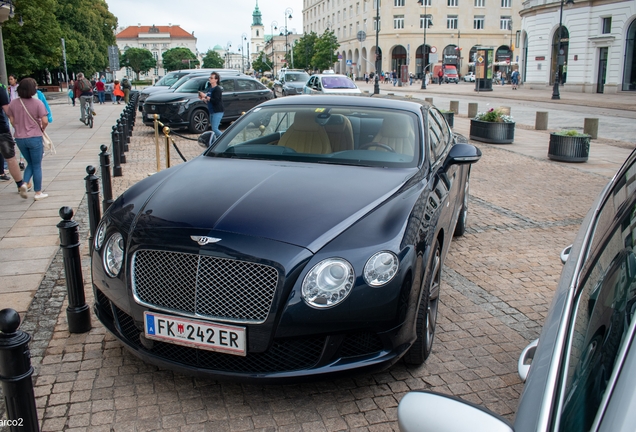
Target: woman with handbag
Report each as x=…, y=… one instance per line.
x=30, y=118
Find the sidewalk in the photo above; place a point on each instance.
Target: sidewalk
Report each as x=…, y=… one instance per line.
x=88, y=382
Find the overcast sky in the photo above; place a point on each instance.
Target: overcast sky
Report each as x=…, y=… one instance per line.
x=214, y=22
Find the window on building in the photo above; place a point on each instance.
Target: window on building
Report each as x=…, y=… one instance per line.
x=505, y=23
x=156, y=71
x=377, y=24
x=155, y=55
x=398, y=3
x=452, y=3
x=478, y=22
x=351, y=11
x=505, y=3
x=256, y=32
x=426, y=3
x=375, y=4
x=480, y=3
x=357, y=8
x=350, y=29
x=398, y=21
x=451, y=21
x=364, y=6
x=607, y=25
x=427, y=19
x=338, y=16
x=364, y=23
x=143, y=45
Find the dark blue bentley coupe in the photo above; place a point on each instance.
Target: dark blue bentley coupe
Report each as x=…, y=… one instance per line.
x=308, y=240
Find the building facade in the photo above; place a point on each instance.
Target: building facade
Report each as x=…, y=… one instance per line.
x=453, y=30
x=156, y=39
x=597, y=45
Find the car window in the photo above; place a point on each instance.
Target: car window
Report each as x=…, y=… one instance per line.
x=437, y=134
x=605, y=307
x=227, y=85
x=191, y=86
x=178, y=83
x=296, y=77
x=446, y=132
x=168, y=80
x=337, y=82
x=246, y=85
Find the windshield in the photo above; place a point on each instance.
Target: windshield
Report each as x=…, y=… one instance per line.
x=190, y=86
x=180, y=81
x=296, y=77
x=168, y=80
x=324, y=134
x=337, y=82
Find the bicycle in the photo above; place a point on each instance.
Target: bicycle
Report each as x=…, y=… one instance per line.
x=88, y=111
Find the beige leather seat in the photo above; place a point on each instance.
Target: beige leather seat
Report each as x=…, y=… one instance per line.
x=340, y=133
x=305, y=135
x=397, y=132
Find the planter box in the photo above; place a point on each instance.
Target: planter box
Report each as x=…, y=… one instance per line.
x=450, y=118
x=569, y=148
x=492, y=132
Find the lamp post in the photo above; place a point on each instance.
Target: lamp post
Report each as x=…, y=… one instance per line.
x=243, y=39
x=555, y=90
x=273, y=26
x=288, y=13
x=330, y=50
x=424, y=53
x=227, y=54
x=5, y=14
x=376, y=83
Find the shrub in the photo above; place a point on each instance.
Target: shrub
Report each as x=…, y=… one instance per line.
x=494, y=116
x=571, y=133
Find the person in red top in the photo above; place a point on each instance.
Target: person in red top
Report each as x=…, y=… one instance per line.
x=440, y=76
x=101, y=89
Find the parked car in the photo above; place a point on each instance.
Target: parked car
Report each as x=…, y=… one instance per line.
x=469, y=77
x=108, y=92
x=450, y=74
x=172, y=78
x=183, y=108
x=580, y=372
x=308, y=239
x=330, y=84
x=290, y=82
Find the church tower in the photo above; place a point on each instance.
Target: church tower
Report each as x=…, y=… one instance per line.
x=257, y=41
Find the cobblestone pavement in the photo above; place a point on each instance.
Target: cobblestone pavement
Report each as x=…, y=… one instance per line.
x=498, y=283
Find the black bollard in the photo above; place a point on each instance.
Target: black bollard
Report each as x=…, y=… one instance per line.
x=15, y=374
x=107, y=187
x=122, y=141
x=78, y=314
x=116, y=153
x=92, y=200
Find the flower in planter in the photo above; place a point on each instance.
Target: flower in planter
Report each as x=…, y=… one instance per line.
x=571, y=133
x=494, y=116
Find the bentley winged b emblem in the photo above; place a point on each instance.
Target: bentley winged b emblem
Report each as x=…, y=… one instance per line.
x=203, y=240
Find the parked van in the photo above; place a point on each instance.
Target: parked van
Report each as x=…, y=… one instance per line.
x=450, y=73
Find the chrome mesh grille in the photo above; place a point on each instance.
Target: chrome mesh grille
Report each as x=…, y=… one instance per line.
x=201, y=285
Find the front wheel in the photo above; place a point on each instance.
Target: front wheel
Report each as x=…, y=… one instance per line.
x=199, y=122
x=427, y=314
x=90, y=122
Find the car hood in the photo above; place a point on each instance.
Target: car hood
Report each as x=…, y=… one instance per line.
x=170, y=96
x=302, y=204
x=294, y=84
x=153, y=89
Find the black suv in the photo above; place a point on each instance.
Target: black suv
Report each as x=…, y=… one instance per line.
x=183, y=108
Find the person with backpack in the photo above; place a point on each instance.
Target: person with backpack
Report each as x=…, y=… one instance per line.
x=126, y=87
x=84, y=92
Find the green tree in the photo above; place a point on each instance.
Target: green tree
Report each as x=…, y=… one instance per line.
x=177, y=58
x=304, y=51
x=324, y=51
x=137, y=59
x=260, y=65
x=212, y=59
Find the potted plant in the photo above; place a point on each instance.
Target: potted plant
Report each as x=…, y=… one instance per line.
x=492, y=126
x=569, y=146
x=449, y=116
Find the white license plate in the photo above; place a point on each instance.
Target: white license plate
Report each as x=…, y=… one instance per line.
x=152, y=116
x=193, y=333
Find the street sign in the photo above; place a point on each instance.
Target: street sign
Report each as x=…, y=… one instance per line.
x=113, y=57
x=433, y=49
x=349, y=62
x=361, y=36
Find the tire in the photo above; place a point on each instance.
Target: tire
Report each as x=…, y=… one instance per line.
x=199, y=121
x=90, y=122
x=460, y=227
x=427, y=314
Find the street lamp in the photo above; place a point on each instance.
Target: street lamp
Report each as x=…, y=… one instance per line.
x=555, y=90
x=424, y=50
x=5, y=14
x=288, y=12
x=227, y=54
x=330, y=50
x=376, y=84
x=273, y=26
x=243, y=39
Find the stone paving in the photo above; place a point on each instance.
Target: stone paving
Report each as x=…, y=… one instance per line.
x=498, y=284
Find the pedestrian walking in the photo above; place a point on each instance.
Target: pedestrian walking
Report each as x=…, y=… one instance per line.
x=366, y=78
x=126, y=87
x=515, y=79
x=117, y=92
x=29, y=117
x=394, y=77
x=214, y=98
x=13, y=87
x=440, y=76
x=71, y=94
x=42, y=99
x=101, y=91
x=503, y=78
x=7, y=146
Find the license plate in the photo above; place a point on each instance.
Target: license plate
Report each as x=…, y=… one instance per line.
x=193, y=333
x=152, y=116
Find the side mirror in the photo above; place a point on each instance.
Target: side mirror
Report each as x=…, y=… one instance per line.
x=461, y=154
x=433, y=412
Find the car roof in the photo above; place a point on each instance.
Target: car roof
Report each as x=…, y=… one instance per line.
x=376, y=101
x=196, y=71
x=330, y=75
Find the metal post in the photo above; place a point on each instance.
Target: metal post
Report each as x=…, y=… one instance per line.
x=107, y=187
x=15, y=374
x=166, y=132
x=78, y=314
x=116, y=153
x=378, y=64
x=121, y=138
x=158, y=150
x=65, y=69
x=92, y=200
x=555, y=89
x=424, y=59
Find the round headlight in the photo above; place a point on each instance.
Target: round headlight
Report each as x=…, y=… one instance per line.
x=380, y=268
x=114, y=254
x=328, y=283
x=99, y=235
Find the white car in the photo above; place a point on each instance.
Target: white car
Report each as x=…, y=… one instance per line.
x=330, y=84
x=469, y=77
